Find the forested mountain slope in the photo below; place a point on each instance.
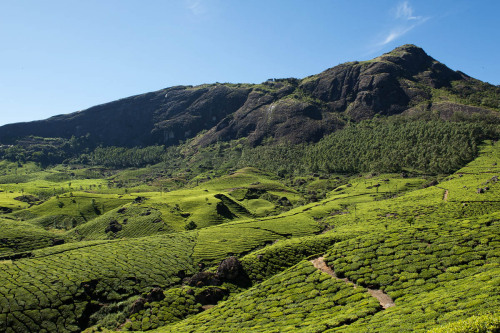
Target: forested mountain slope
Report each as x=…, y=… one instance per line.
x=405, y=80
x=361, y=199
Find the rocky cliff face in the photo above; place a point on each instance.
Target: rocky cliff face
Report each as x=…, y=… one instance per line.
x=386, y=85
x=164, y=117
x=289, y=110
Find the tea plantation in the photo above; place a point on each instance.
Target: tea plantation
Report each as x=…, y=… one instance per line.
x=301, y=299
x=57, y=290
x=95, y=249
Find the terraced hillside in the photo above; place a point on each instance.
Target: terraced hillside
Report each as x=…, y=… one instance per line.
x=362, y=199
x=434, y=250
x=438, y=268
x=75, y=279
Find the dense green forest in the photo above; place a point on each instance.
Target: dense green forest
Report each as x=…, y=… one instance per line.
x=431, y=147
x=375, y=145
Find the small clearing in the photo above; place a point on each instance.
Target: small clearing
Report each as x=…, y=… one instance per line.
x=384, y=299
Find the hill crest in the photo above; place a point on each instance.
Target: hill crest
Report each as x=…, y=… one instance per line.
x=285, y=110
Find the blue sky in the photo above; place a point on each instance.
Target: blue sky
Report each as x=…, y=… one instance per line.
x=60, y=56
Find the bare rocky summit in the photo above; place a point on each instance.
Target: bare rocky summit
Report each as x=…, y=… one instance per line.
x=292, y=110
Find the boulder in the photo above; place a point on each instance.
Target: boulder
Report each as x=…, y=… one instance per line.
x=155, y=295
x=114, y=226
x=137, y=306
x=230, y=269
x=211, y=295
x=203, y=279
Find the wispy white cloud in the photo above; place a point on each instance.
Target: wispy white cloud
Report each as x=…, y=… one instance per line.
x=397, y=32
x=394, y=34
x=196, y=7
x=404, y=21
x=404, y=11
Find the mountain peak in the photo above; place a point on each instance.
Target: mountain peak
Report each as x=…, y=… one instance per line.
x=286, y=110
x=408, y=48
x=407, y=51
x=408, y=56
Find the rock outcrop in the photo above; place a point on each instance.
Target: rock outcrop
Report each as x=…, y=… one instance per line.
x=278, y=110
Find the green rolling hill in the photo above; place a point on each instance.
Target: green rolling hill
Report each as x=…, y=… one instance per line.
x=362, y=199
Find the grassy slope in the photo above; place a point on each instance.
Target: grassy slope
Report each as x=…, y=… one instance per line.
x=437, y=267
x=374, y=229
x=17, y=236
x=160, y=212
x=301, y=299
x=57, y=287
x=66, y=280
x=435, y=274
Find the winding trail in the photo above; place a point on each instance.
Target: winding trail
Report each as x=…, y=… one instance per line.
x=446, y=192
x=384, y=299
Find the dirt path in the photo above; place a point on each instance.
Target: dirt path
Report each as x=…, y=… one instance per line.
x=384, y=299
x=208, y=306
x=320, y=264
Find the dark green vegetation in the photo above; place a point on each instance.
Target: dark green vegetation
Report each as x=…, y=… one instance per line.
x=382, y=145
x=211, y=213
x=299, y=299
x=405, y=82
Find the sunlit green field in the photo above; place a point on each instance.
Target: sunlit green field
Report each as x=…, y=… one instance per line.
x=79, y=246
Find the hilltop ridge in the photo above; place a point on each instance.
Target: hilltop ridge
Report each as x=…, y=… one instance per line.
x=404, y=81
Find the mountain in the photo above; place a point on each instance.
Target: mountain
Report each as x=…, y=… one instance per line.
x=361, y=199
x=404, y=81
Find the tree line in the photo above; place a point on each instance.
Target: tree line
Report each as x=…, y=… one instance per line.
x=392, y=144
x=379, y=145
